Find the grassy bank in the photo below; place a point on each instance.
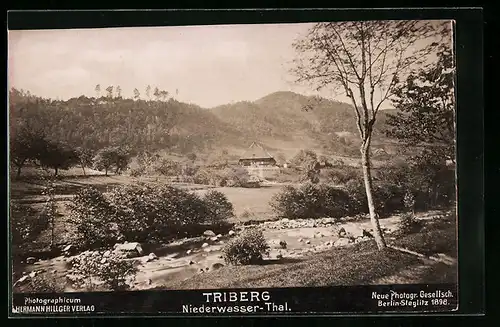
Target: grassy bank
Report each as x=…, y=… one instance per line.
x=356, y=265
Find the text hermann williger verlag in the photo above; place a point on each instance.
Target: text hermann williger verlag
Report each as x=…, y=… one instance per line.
x=217, y=302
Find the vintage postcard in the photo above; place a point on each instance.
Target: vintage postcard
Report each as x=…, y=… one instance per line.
x=233, y=169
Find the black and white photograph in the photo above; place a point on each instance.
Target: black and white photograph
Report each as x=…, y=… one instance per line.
x=225, y=157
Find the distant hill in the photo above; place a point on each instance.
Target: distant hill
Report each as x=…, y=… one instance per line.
x=287, y=119
x=278, y=121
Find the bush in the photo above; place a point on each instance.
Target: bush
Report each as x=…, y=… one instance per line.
x=155, y=212
x=311, y=201
x=341, y=176
x=115, y=272
x=228, y=176
x=143, y=213
x=218, y=206
x=247, y=248
x=408, y=224
x=429, y=180
x=91, y=212
x=26, y=223
x=168, y=167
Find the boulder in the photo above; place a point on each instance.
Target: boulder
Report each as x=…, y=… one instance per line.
x=103, y=260
x=131, y=250
x=152, y=256
x=219, y=235
x=279, y=256
x=342, y=242
x=352, y=230
x=21, y=280
x=214, y=239
x=204, y=245
x=191, y=262
x=277, y=244
x=106, y=254
x=189, y=251
x=217, y=265
x=69, y=249
x=32, y=274
x=30, y=260
x=231, y=233
x=208, y=233
x=308, y=242
x=301, y=240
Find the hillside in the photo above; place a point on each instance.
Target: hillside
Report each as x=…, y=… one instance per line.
x=284, y=120
x=277, y=120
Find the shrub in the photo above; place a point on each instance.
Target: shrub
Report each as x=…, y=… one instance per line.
x=154, y=212
x=311, y=201
x=91, y=212
x=219, y=208
x=408, y=224
x=26, y=223
x=115, y=272
x=430, y=181
x=143, y=213
x=247, y=248
x=137, y=171
x=343, y=175
x=168, y=167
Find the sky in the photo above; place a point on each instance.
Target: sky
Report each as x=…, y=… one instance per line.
x=203, y=65
x=206, y=65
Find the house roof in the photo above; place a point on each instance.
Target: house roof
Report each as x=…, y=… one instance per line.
x=256, y=151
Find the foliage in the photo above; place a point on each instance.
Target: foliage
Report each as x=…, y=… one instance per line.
x=408, y=224
x=426, y=105
x=228, y=176
x=312, y=201
x=26, y=223
x=26, y=145
x=91, y=213
x=57, y=155
x=304, y=157
x=342, y=175
x=409, y=201
x=168, y=167
x=351, y=56
x=115, y=272
x=246, y=248
x=86, y=157
x=429, y=180
x=218, y=206
x=144, y=213
x=110, y=157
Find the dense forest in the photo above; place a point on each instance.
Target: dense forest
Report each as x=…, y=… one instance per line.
x=162, y=123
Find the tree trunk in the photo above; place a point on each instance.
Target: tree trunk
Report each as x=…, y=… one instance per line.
x=18, y=174
x=366, y=164
x=83, y=168
x=106, y=171
x=55, y=171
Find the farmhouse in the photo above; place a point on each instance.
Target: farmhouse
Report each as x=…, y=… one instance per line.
x=256, y=156
x=259, y=163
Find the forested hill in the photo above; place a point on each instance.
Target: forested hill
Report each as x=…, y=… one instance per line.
x=180, y=127
x=137, y=124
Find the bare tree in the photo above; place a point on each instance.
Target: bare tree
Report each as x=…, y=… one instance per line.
x=366, y=60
